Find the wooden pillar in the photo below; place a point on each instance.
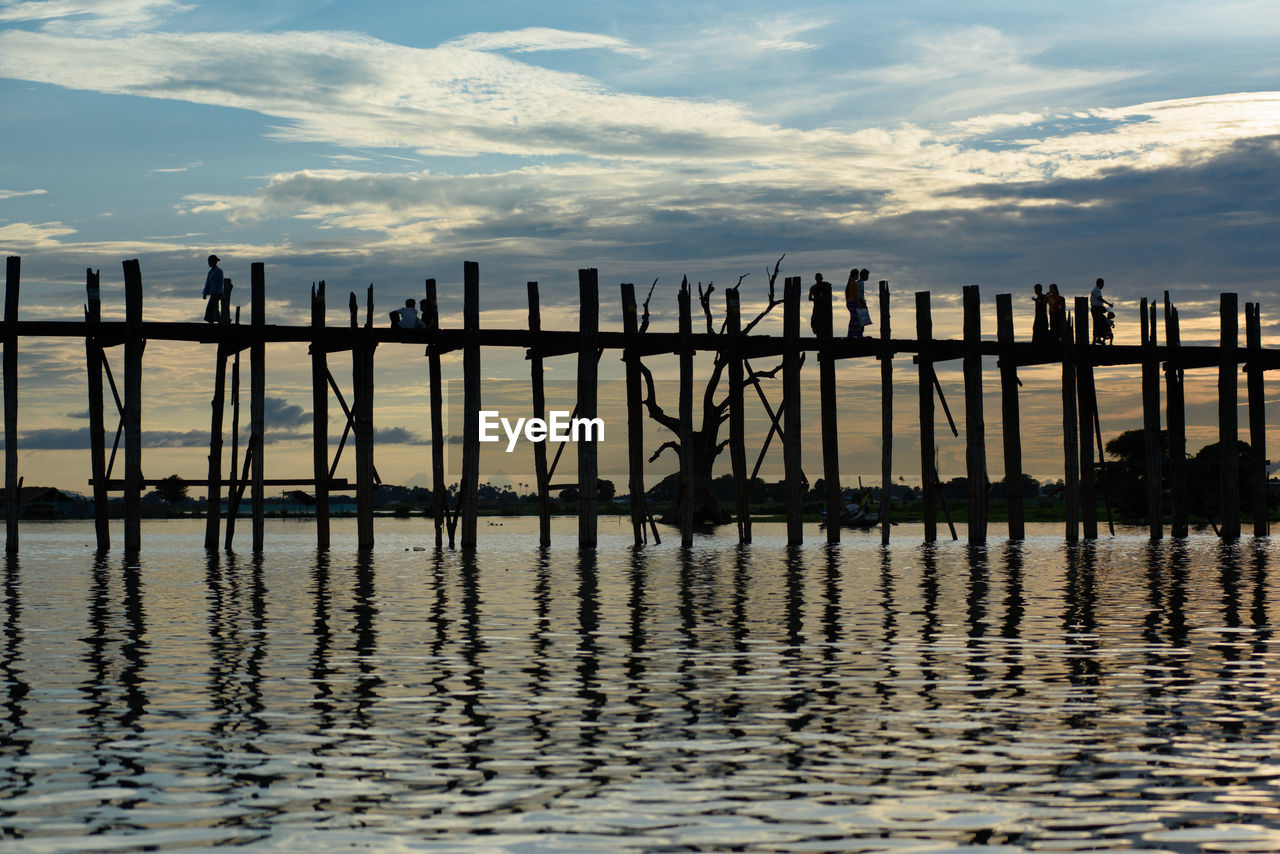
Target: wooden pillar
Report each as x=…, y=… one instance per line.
x=635, y=413
x=588, y=462
x=439, y=491
x=235, y=487
x=827, y=403
x=791, y=438
x=1151, y=421
x=471, y=380
x=97, y=432
x=13, y=499
x=1176, y=418
x=737, y=414
x=1010, y=417
x=257, y=396
x=218, y=408
x=362, y=414
x=1070, y=438
x=928, y=474
x=974, y=429
x=1228, y=421
x=886, y=417
x=539, y=392
x=1257, y=421
x=686, y=414
x=1084, y=423
x=320, y=415
x=133, y=345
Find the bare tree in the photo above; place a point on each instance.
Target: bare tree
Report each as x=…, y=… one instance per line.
x=698, y=459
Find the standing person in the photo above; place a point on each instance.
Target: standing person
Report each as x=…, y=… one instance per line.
x=1098, y=308
x=1057, y=313
x=821, y=326
x=859, y=316
x=1040, y=324
x=213, y=283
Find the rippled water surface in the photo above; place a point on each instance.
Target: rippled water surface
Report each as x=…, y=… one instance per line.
x=1036, y=696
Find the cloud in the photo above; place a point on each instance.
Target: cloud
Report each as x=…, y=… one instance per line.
x=89, y=15
x=13, y=194
x=544, y=38
x=278, y=412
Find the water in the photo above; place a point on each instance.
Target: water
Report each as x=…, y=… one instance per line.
x=1111, y=696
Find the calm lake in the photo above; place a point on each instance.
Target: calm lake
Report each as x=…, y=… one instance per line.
x=1116, y=695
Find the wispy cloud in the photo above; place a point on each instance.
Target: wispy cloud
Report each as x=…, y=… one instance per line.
x=533, y=39
x=14, y=194
x=89, y=15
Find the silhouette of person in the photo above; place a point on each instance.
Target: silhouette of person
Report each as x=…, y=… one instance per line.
x=1057, y=313
x=859, y=317
x=1098, y=308
x=213, y=285
x=409, y=316
x=1040, y=323
x=820, y=322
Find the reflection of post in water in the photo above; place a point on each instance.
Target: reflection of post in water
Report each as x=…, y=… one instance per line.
x=1079, y=623
x=793, y=702
x=738, y=625
x=976, y=608
x=472, y=645
x=97, y=659
x=321, y=667
x=366, y=635
x=889, y=622
x=637, y=610
x=1231, y=646
x=1258, y=612
x=539, y=673
x=929, y=629
x=135, y=645
x=16, y=688
x=237, y=647
x=588, y=649
x=1014, y=607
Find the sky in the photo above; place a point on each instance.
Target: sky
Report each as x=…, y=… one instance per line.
x=937, y=144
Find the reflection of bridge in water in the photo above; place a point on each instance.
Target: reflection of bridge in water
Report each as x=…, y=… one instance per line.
x=733, y=345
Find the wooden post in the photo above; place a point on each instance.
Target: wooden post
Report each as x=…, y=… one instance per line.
x=1070, y=437
x=133, y=345
x=928, y=475
x=1177, y=420
x=1257, y=420
x=234, y=487
x=1084, y=422
x=1228, y=421
x=218, y=407
x=97, y=435
x=471, y=380
x=1151, y=420
x=257, y=396
x=362, y=414
x=538, y=385
x=974, y=430
x=1010, y=417
x=886, y=417
x=439, y=492
x=686, y=414
x=320, y=416
x=588, y=461
x=737, y=414
x=827, y=402
x=13, y=498
x=635, y=414
x=791, y=438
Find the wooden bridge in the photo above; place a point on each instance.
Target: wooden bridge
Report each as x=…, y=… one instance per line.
x=733, y=344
